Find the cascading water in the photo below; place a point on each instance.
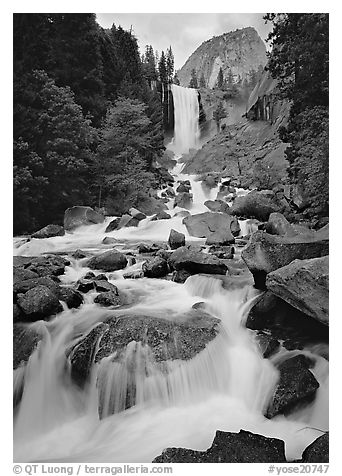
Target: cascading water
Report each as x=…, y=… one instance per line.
x=133, y=406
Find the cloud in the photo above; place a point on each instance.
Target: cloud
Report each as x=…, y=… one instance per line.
x=183, y=31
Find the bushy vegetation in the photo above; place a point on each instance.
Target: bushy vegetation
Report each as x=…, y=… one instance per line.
x=87, y=125
x=300, y=62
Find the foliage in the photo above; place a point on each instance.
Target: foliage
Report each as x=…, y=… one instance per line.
x=176, y=79
x=300, y=62
x=170, y=64
x=193, y=80
x=162, y=68
x=220, y=79
x=52, y=151
x=218, y=114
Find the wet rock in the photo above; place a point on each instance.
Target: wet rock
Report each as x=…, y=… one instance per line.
x=136, y=274
x=27, y=284
x=127, y=221
x=176, y=239
x=22, y=274
x=196, y=262
x=170, y=192
x=222, y=252
x=110, y=260
x=266, y=253
x=235, y=227
x=256, y=205
x=77, y=216
x=180, y=276
x=137, y=214
x=38, y=303
x=46, y=265
x=168, y=340
x=113, y=225
x=213, y=226
x=49, y=231
x=296, y=385
x=78, y=254
x=101, y=277
x=89, y=275
x=183, y=200
x=109, y=298
x=182, y=213
x=278, y=225
x=25, y=340
x=305, y=285
x=182, y=187
x=261, y=314
x=318, y=451
x=108, y=240
x=242, y=447
x=85, y=285
x=102, y=286
x=71, y=297
x=155, y=268
x=161, y=216
x=148, y=248
x=217, y=206
x=267, y=344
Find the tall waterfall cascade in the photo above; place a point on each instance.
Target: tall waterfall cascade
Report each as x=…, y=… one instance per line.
x=134, y=407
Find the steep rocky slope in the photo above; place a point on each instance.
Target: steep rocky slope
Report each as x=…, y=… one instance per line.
x=238, y=52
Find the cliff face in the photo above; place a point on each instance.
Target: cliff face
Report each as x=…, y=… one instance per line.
x=238, y=52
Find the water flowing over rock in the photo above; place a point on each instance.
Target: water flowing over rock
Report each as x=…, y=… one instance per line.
x=161, y=216
x=305, y=285
x=296, y=385
x=25, y=340
x=109, y=298
x=113, y=225
x=77, y=216
x=196, y=262
x=137, y=214
x=216, y=227
x=110, y=260
x=242, y=447
x=49, y=231
x=318, y=451
x=176, y=239
x=266, y=253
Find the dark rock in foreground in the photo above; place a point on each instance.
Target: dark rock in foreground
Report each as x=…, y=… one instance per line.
x=305, y=285
x=155, y=268
x=109, y=298
x=267, y=344
x=77, y=216
x=71, y=297
x=256, y=205
x=38, y=303
x=242, y=447
x=266, y=253
x=25, y=340
x=318, y=451
x=113, y=225
x=161, y=216
x=176, y=239
x=297, y=385
x=111, y=260
x=49, y=231
x=196, y=262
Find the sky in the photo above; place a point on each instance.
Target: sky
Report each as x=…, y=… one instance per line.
x=183, y=31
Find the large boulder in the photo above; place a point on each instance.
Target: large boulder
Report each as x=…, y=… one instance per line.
x=77, y=216
x=183, y=200
x=32, y=267
x=126, y=221
x=217, y=206
x=49, y=231
x=135, y=213
x=109, y=298
x=110, y=260
x=196, y=262
x=297, y=385
x=256, y=205
x=25, y=340
x=161, y=216
x=305, y=285
x=155, y=268
x=38, y=303
x=318, y=451
x=113, y=225
x=216, y=227
x=176, y=239
x=71, y=297
x=266, y=253
x=242, y=447
x=22, y=286
x=167, y=340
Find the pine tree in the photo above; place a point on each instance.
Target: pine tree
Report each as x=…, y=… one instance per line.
x=162, y=68
x=170, y=64
x=193, y=80
x=176, y=79
x=219, y=114
x=220, y=79
x=149, y=64
x=202, y=83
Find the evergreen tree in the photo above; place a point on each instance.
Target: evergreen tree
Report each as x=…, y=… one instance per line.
x=162, y=68
x=202, y=83
x=219, y=114
x=176, y=79
x=149, y=64
x=220, y=79
x=170, y=64
x=193, y=80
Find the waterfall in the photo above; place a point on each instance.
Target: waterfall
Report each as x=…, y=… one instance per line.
x=186, y=111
